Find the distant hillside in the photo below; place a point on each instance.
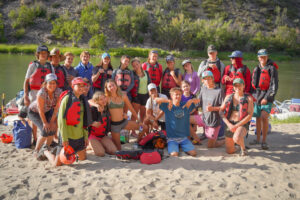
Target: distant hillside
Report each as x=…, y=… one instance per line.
x=168, y=24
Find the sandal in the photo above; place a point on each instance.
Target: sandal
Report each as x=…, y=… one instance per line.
x=264, y=146
x=40, y=155
x=254, y=142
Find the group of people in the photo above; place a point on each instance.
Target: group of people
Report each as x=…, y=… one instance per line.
x=80, y=106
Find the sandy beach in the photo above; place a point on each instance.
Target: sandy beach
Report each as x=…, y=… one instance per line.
x=213, y=174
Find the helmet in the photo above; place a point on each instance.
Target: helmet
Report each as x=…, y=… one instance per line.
x=67, y=155
x=6, y=138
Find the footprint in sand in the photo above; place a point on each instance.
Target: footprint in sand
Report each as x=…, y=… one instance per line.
x=71, y=190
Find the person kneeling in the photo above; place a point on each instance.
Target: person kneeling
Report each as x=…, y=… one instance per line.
x=237, y=111
x=178, y=122
x=74, y=117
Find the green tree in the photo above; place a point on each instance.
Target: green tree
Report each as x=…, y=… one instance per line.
x=98, y=41
x=2, y=36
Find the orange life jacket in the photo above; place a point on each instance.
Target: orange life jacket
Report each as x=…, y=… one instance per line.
x=154, y=73
x=123, y=78
x=104, y=128
x=168, y=81
x=61, y=76
x=99, y=83
x=238, y=73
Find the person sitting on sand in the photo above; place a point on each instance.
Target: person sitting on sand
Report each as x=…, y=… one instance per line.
x=100, y=127
x=236, y=111
x=43, y=112
x=178, y=122
x=116, y=102
x=74, y=117
x=211, y=98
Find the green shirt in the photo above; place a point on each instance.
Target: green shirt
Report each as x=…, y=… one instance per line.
x=67, y=131
x=143, y=85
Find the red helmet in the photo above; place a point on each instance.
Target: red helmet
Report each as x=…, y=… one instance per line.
x=6, y=138
x=67, y=155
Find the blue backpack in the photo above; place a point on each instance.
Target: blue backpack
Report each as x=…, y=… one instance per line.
x=22, y=134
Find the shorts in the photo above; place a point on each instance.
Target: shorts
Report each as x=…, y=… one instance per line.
x=258, y=108
x=141, y=99
x=77, y=144
x=162, y=125
x=116, y=127
x=210, y=132
x=36, y=119
x=229, y=134
x=185, y=144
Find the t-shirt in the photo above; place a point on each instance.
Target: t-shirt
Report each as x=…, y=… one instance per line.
x=155, y=106
x=185, y=99
x=48, y=103
x=71, y=71
x=143, y=85
x=194, y=81
x=177, y=120
x=215, y=98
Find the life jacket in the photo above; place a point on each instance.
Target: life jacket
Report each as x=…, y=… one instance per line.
x=243, y=112
x=99, y=83
x=168, y=81
x=238, y=73
x=261, y=78
x=134, y=90
x=38, y=76
x=154, y=72
x=104, y=128
x=123, y=78
x=61, y=74
x=216, y=71
x=73, y=110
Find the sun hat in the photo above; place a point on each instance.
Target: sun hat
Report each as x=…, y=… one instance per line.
x=211, y=48
x=56, y=52
x=50, y=77
x=151, y=86
x=42, y=48
x=170, y=58
x=78, y=80
x=104, y=55
x=236, y=54
x=238, y=80
x=207, y=73
x=185, y=61
x=262, y=52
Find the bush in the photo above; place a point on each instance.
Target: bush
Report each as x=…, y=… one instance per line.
x=98, y=41
x=19, y=33
x=67, y=29
x=93, y=15
x=131, y=23
x=22, y=17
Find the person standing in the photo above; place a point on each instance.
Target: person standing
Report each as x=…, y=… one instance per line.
x=213, y=64
x=191, y=76
x=71, y=72
x=56, y=57
x=236, y=70
x=265, y=86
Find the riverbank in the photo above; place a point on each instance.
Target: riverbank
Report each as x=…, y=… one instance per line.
x=213, y=174
x=140, y=52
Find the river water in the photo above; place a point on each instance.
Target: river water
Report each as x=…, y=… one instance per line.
x=13, y=68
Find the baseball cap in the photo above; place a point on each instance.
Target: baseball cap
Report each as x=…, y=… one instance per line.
x=151, y=86
x=170, y=58
x=185, y=61
x=262, y=52
x=207, y=73
x=104, y=55
x=238, y=80
x=236, y=54
x=50, y=77
x=42, y=48
x=211, y=48
x=154, y=51
x=78, y=80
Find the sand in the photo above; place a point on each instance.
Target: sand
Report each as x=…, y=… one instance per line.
x=271, y=174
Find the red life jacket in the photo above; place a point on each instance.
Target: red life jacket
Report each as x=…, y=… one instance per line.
x=216, y=71
x=61, y=76
x=123, y=78
x=243, y=111
x=99, y=83
x=38, y=76
x=261, y=78
x=168, y=81
x=154, y=73
x=238, y=73
x=104, y=128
